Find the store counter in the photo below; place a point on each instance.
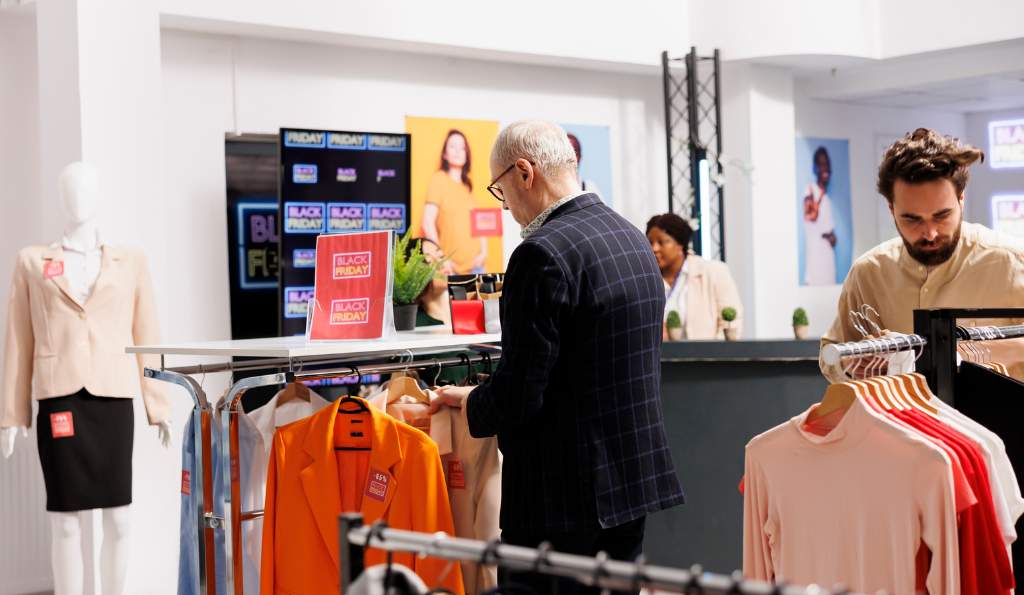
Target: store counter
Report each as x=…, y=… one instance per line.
x=717, y=395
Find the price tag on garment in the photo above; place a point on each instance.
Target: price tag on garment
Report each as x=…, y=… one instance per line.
x=186, y=482
x=377, y=485
x=62, y=425
x=53, y=268
x=456, y=476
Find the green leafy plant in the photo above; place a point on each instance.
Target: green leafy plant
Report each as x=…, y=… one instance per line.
x=800, y=317
x=673, y=320
x=412, y=272
x=728, y=314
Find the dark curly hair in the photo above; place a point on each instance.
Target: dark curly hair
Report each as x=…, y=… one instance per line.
x=675, y=226
x=925, y=155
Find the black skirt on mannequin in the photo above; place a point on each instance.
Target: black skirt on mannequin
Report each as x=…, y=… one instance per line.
x=85, y=450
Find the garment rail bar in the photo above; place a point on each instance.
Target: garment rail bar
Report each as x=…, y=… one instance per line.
x=989, y=333
x=831, y=354
x=599, y=572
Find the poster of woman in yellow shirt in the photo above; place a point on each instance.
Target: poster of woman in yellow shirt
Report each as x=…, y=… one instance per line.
x=450, y=205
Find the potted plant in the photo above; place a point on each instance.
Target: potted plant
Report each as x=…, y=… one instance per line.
x=729, y=316
x=412, y=274
x=800, y=323
x=674, y=325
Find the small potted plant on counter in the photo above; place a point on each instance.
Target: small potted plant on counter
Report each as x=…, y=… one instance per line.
x=674, y=325
x=800, y=323
x=412, y=274
x=729, y=316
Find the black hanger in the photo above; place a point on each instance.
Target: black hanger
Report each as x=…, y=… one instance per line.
x=695, y=587
x=486, y=357
x=543, y=552
x=600, y=570
x=361, y=407
x=736, y=586
x=465, y=360
x=639, y=576
x=490, y=554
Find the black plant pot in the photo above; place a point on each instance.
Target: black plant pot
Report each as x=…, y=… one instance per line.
x=405, y=317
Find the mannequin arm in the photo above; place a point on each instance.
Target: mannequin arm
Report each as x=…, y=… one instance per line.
x=7, y=440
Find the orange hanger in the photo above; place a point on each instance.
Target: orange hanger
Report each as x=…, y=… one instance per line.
x=837, y=397
x=293, y=391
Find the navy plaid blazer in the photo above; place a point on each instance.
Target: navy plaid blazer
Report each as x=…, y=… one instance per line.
x=575, y=399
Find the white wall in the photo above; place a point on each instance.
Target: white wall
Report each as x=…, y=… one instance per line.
x=985, y=181
x=868, y=129
x=24, y=549
x=567, y=32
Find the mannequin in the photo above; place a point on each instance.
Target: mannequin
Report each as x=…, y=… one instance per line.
x=82, y=252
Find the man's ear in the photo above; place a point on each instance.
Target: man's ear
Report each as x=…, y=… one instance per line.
x=891, y=211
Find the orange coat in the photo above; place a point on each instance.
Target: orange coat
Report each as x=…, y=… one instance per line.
x=403, y=485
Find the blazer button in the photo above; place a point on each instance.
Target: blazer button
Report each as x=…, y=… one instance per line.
x=81, y=314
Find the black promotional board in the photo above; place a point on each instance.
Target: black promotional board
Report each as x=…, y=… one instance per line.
x=334, y=182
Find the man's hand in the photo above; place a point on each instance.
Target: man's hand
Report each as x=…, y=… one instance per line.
x=453, y=396
x=830, y=237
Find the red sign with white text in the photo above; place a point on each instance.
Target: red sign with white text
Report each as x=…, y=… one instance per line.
x=352, y=284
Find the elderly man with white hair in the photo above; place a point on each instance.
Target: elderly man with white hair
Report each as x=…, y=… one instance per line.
x=575, y=399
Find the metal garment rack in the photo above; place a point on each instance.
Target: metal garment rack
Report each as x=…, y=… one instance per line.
x=938, y=361
x=833, y=353
x=287, y=369
x=354, y=537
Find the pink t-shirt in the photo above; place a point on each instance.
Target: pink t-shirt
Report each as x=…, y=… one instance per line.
x=850, y=508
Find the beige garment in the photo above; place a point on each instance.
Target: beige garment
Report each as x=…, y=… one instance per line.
x=823, y=510
x=709, y=289
x=56, y=345
x=472, y=468
x=985, y=271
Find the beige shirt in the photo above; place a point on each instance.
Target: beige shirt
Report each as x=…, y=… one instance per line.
x=709, y=289
x=985, y=271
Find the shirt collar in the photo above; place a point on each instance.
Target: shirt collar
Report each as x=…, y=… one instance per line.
x=70, y=245
x=539, y=220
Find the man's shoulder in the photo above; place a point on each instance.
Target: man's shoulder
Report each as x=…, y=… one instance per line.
x=881, y=256
x=992, y=241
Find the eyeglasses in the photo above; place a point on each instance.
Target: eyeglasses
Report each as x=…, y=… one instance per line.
x=496, y=191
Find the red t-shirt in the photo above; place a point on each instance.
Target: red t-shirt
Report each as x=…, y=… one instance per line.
x=984, y=564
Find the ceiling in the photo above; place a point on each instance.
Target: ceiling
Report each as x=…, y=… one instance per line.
x=987, y=93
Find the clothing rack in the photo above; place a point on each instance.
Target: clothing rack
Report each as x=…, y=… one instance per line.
x=354, y=537
x=938, y=360
x=281, y=371
x=833, y=353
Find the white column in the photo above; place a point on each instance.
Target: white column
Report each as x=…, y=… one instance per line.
x=101, y=102
x=759, y=145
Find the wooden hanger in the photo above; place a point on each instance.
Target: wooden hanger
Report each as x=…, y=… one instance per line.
x=403, y=386
x=837, y=397
x=293, y=391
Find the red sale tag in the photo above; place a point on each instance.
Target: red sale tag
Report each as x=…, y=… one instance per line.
x=377, y=485
x=53, y=268
x=62, y=425
x=485, y=223
x=186, y=482
x=456, y=476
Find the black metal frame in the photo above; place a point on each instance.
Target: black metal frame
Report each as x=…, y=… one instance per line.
x=938, y=360
x=694, y=101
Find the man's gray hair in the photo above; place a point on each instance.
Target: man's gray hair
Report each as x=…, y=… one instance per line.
x=542, y=143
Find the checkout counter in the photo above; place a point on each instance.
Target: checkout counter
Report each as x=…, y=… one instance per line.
x=717, y=395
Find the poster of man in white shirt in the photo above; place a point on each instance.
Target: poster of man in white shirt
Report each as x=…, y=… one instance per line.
x=824, y=207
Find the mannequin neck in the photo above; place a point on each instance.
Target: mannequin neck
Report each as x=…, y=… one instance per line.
x=82, y=236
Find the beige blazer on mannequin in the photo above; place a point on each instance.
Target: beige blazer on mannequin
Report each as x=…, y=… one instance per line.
x=709, y=289
x=56, y=346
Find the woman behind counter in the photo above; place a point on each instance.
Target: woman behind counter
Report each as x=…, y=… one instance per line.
x=696, y=288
